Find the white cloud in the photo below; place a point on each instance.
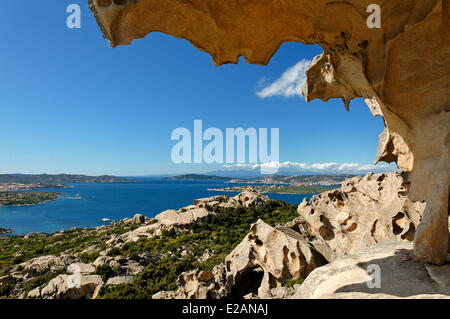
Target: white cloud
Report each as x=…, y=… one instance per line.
x=331, y=167
x=288, y=84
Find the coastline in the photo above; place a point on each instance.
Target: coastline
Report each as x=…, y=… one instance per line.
x=5, y=231
x=54, y=196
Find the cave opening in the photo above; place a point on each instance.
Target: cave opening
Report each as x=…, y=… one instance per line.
x=247, y=282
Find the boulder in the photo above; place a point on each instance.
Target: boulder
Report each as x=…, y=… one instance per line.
x=34, y=294
x=69, y=287
x=81, y=268
x=264, y=260
x=102, y=260
x=138, y=219
x=119, y=280
x=267, y=258
x=251, y=198
x=197, y=284
x=201, y=210
x=281, y=292
x=363, y=211
x=48, y=263
x=401, y=275
x=182, y=218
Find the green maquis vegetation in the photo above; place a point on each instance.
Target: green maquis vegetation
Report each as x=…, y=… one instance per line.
x=170, y=253
x=25, y=198
x=16, y=249
x=219, y=237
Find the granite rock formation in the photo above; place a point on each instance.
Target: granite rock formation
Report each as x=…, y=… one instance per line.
x=401, y=69
x=401, y=275
x=362, y=212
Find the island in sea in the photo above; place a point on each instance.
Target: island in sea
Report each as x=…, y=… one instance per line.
x=14, y=188
x=26, y=198
x=61, y=178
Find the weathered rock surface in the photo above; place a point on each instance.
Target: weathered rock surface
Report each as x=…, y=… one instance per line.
x=196, y=284
x=363, y=211
x=267, y=258
x=119, y=280
x=47, y=263
x=264, y=260
x=139, y=219
x=71, y=287
x=401, y=69
x=250, y=198
x=173, y=218
x=402, y=275
x=81, y=268
x=201, y=210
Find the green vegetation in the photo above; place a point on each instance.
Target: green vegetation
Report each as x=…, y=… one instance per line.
x=26, y=198
x=279, y=189
x=293, y=282
x=164, y=256
x=219, y=237
x=17, y=249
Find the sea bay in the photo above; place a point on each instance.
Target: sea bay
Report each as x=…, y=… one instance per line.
x=87, y=204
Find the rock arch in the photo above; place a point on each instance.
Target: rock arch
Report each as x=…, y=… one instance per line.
x=402, y=70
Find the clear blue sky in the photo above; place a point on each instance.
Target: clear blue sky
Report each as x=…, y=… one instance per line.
x=69, y=103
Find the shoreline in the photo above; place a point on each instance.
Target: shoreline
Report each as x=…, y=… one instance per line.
x=57, y=196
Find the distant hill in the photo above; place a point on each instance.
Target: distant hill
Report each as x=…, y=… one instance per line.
x=197, y=176
x=61, y=178
x=298, y=180
x=256, y=174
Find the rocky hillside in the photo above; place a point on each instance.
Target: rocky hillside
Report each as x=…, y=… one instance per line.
x=244, y=246
x=272, y=262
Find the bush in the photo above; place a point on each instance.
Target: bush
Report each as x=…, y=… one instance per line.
x=106, y=272
x=89, y=257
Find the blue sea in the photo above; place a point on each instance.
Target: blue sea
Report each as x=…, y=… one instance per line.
x=86, y=204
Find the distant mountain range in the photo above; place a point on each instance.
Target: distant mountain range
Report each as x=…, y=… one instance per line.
x=61, y=178
x=197, y=177
x=298, y=180
x=256, y=174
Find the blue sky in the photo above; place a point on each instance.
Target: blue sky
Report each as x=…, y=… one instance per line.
x=69, y=103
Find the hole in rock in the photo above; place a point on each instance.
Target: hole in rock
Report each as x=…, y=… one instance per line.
x=247, y=282
x=397, y=223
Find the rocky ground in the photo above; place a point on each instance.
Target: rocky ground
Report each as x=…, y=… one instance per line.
x=321, y=251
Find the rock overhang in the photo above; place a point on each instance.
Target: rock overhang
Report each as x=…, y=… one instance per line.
x=402, y=70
